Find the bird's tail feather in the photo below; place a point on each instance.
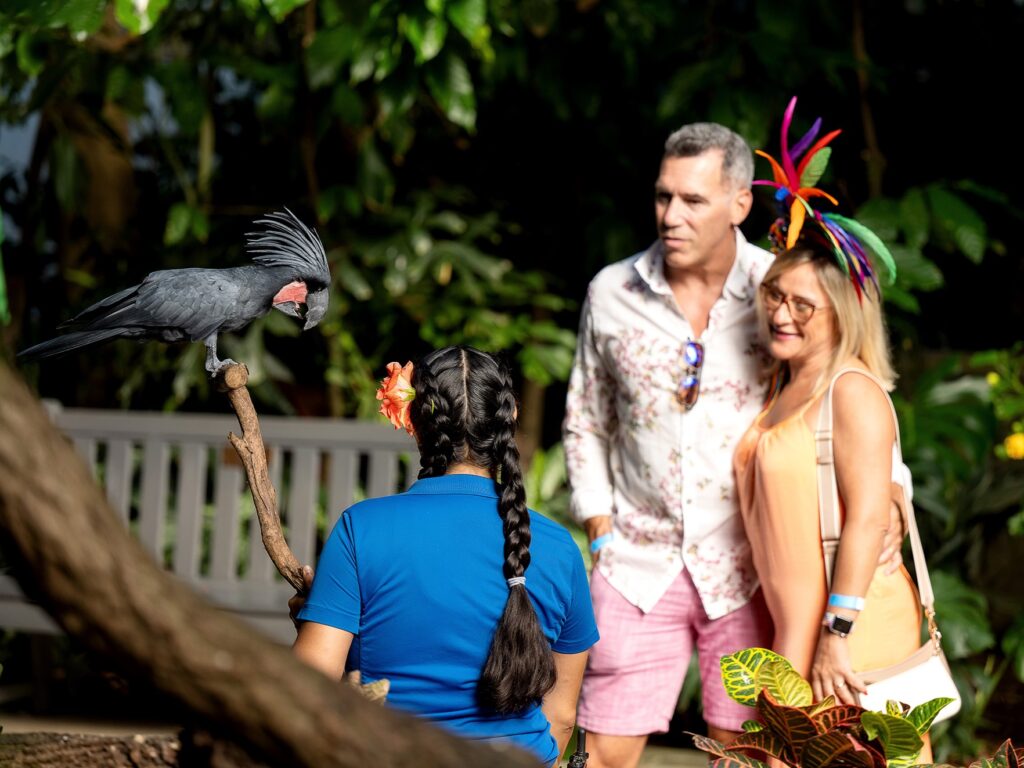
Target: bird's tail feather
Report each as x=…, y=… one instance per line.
x=68, y=343
x=102, y=309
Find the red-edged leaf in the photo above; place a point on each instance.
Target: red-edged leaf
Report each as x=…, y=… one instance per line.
x=736, y=760
x=835, y=717
x=1005, y=757
x=828, y=748
x=763, y=741
x=813, y=709
x=791, y=725
x=708, y=744
x=1009, y=754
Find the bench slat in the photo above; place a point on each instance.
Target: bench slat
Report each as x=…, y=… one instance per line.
x=302, y=498
x=223, y=556
x=120, y=458
x=191, y=503
x=341, y=491
x=86, y=447
x=153, y=510
x=383, y=478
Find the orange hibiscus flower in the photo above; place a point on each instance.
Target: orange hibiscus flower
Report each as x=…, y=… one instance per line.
x=396, y=393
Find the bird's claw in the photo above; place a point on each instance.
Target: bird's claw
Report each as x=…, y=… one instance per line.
x=218, y=366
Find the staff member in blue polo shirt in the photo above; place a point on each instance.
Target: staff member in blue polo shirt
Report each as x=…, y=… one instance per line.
x=429, y=588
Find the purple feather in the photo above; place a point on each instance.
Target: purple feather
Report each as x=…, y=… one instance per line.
x=801, y=146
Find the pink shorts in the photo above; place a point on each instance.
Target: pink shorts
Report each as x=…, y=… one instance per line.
x=636, y=670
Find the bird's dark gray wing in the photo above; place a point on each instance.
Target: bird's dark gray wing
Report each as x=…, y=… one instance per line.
x=197, y=302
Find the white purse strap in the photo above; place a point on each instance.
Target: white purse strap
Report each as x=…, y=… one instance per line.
x=828, y=500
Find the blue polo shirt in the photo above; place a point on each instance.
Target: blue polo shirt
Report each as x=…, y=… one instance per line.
x=417, y=577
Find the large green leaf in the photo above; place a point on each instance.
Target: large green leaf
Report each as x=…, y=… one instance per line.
x=1013, y=646
x=914, y=218
x=784, y=683
x=914, y=271
x=426, y=34
x=452, y=89
x=470, y=18
x=281, y=8
x=922, y=715
x=962, y=614
x=139, y=18
x=959, y=220
x=899, y=737
x=330, y=50
x=739, y=673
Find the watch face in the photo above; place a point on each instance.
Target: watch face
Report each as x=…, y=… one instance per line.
x=841, y=625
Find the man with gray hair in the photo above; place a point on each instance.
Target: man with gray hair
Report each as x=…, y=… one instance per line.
x=668, y=375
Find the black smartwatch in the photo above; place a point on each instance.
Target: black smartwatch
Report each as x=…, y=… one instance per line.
x=838, y=625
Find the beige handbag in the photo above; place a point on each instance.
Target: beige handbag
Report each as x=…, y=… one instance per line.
x=924, y=675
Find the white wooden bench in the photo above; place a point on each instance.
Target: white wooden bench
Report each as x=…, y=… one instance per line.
x=177, y=483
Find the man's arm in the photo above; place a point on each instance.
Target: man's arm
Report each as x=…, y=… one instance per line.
x=892, y=546
x=590, y=420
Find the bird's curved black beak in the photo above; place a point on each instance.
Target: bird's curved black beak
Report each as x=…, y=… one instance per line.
x=316, y=307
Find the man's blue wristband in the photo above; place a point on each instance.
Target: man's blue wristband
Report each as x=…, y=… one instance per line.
x=846, y=601
x=599, y=542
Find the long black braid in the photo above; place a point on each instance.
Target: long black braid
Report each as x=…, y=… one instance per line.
x=465, y=410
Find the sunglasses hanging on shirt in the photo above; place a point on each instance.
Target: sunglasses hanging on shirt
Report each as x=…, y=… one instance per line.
x=689, y=387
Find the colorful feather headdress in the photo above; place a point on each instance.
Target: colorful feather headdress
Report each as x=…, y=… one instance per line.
x=801, y=167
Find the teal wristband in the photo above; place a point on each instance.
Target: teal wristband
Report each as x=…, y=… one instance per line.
x=846, y=601
x=599, y=542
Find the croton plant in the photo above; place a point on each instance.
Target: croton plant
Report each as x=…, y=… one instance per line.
x=803, y=734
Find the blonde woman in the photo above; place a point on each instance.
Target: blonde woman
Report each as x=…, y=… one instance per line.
x=821, y=325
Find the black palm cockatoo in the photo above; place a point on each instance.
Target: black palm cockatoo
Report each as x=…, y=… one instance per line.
x=289, y=271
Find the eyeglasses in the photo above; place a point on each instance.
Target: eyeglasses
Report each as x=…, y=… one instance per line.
x=801, y=311
x=689, y=387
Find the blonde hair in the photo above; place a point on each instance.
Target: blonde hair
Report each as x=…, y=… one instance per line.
x=859, y=323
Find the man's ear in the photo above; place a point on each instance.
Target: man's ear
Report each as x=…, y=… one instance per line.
x=742, y=201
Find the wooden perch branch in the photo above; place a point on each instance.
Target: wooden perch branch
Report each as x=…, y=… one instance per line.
x=253, y=454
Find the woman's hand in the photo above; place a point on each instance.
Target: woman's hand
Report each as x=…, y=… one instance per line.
x=831, y=672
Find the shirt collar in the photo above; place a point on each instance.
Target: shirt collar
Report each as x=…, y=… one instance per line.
x=467, y=485
x=650, y=266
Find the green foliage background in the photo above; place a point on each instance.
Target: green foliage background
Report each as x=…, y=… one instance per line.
x=470, y=164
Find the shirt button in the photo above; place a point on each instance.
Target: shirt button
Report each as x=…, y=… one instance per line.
x=692, y=550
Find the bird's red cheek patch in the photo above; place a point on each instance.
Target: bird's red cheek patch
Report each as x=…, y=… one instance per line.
x=295, y=291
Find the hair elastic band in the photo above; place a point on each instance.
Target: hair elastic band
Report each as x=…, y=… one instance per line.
x=516, y=581
x=846, y=601
x=600, y=542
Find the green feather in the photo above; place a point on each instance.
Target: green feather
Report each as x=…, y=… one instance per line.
x=870, y=239
x=816, y=167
